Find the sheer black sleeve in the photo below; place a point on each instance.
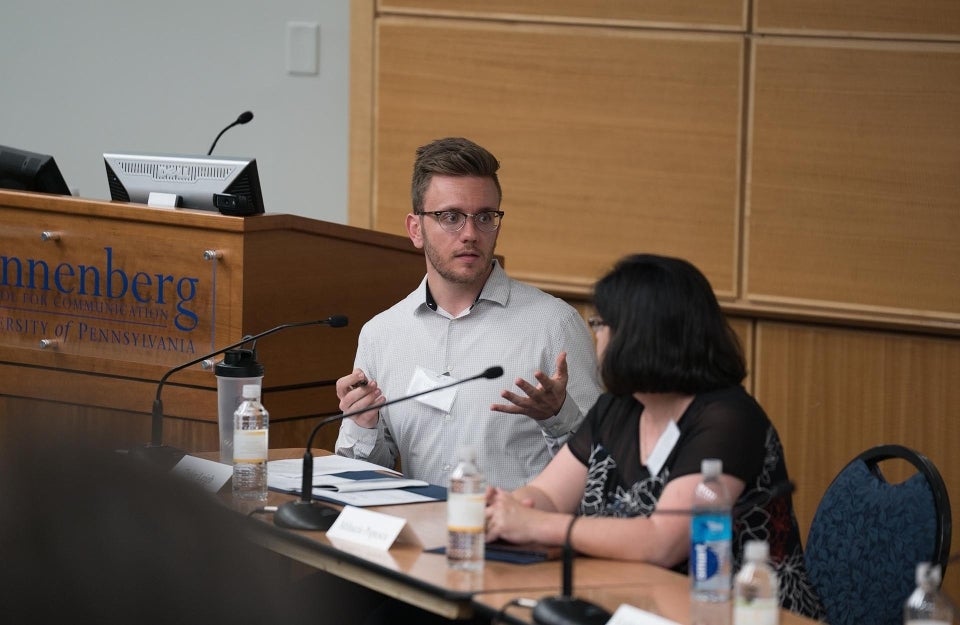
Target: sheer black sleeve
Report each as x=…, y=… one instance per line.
x=726, y=424
x=582, y=441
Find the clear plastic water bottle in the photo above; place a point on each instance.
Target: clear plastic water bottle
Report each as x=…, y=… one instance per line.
x=927, y=605
x=711, y=532
x=755, y=589
x=466, y=499
x=250, y=444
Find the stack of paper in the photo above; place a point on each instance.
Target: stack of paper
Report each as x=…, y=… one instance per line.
x=352, y=482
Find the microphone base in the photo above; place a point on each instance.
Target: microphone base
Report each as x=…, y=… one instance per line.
x=569, y=611
x=162, y=456
x=305, y=515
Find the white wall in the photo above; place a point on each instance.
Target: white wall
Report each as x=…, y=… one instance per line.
x=78, y=79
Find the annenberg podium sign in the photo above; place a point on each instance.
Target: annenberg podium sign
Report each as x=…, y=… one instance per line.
x=114, y=289
x=99, y=301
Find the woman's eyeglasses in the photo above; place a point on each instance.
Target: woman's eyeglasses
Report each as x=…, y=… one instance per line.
x=596, y=323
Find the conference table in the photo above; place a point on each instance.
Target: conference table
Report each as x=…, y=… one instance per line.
x=666, y=597
x=409, y=573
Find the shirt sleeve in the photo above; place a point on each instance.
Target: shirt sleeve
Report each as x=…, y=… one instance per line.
x=374, y=445
x=583, y=384
x=555, y=430
x=581, y=442
x=369, y=444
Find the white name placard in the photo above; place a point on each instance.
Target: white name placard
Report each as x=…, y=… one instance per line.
x=210, y=475
x=629, y=615
x=368, y=528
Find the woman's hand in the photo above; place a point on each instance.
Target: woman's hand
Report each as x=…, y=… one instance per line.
x=511, y=519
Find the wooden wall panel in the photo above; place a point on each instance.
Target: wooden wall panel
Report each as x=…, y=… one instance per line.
x=362, y=95
x=911, y=19
x=854, y=192
x=728, y=14
x=744, y=329
x=610, y=141
x=833, y=393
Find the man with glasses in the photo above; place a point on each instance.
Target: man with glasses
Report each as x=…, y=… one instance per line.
x=466, y=315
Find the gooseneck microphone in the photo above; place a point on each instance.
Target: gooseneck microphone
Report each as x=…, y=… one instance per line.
x=244, y=117
x=565, y=609
x=303, y=513
x=163, y=453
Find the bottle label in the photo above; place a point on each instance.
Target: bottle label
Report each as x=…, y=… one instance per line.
x=465, y=512
x=250, y=446
x=756, y=612
x=711, y=537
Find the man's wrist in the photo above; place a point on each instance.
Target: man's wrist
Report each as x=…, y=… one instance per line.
x=366, y=422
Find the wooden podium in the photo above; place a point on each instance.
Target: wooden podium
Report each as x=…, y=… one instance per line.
x=98, y=300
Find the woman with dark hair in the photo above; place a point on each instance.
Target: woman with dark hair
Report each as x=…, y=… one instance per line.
x=673, y=369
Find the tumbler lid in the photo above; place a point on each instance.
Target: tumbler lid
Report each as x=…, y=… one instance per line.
x=239, y=363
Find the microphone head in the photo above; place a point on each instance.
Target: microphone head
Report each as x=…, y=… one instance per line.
x=492, y=373
x=244, y=117
x=337, y=321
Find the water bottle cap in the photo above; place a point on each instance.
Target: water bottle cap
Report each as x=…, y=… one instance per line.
x=468, y=453
x=711, y=467
x=756, y=551
x=251, y=391
x=928, y=573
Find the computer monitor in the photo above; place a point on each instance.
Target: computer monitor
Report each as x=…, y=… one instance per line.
x=227, y=184
x=28, y=171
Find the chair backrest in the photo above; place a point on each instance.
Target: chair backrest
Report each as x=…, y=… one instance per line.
x=868, y=535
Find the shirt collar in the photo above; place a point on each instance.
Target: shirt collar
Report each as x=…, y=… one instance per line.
x=496, y=289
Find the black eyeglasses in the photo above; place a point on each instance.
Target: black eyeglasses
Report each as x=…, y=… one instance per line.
x=453, y=221
x=596, y=323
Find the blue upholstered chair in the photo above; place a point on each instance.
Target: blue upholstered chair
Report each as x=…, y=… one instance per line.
x=867, y=536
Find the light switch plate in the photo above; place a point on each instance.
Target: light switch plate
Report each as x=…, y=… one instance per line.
x=303, y=51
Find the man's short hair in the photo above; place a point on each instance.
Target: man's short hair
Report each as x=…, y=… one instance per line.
x=451, y=156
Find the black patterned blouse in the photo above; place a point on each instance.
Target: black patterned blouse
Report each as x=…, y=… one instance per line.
x=727, y=424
